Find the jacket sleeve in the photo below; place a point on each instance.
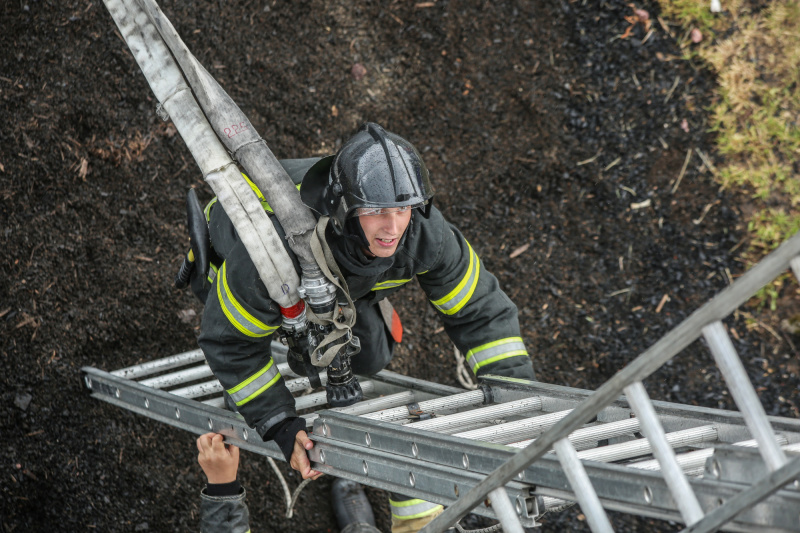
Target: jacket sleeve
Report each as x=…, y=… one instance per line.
x=224, y=514
x=478, y=316
x=238, y=321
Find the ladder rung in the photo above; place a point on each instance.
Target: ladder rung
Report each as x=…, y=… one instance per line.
x=514, y=431
x=159, y=365
x=445, y=403
x=691, y=461
x=639, y=447
x=742, y=391
x=590, y=435
x=678, y=485
x=582, y=487
x=457, y=421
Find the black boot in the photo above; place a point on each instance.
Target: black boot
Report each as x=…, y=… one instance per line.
x=351, y=506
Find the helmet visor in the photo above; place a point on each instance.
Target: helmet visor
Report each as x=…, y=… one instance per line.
x=372, y=211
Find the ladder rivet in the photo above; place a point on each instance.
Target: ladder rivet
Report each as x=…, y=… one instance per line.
x=367, y=439
x=455, y=490
x=322, y=456
x=465, y=461
x=88, y=382
x=244, y=434
x=648, y=495
x=521, y=475
x=518, y=507
x=210, y=424
x=414, y=449
x=116, y=393
x=365, y=467
x=411, y=479
x=324, y=430
x=177, y=413
x=146, y=403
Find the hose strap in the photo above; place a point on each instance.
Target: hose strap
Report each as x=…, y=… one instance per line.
x=343, y=319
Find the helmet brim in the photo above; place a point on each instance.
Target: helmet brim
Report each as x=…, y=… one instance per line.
x=313, y=191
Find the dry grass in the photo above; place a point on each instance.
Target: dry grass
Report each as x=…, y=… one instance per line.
x=756, y=114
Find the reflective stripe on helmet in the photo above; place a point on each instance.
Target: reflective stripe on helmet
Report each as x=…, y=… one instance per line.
x=410, y=509
x=255, y=384
x=458, y=297
x=495, y=351
x=238, y=315
x=389, y=284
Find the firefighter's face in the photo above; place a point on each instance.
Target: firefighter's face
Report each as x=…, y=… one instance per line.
x=383, y=230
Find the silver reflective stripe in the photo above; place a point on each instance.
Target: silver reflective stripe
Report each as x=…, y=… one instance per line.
x=390, y=284
x=409, y=509
x=458, y=297
x=238, y=315
x=495, y=351
x=255, y=384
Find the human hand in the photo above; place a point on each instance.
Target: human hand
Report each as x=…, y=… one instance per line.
x=300, y=460
x=218, y=460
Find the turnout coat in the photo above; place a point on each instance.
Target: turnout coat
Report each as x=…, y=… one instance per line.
x=240, y=319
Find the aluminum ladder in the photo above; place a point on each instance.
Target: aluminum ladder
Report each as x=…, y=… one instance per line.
x=515, y=449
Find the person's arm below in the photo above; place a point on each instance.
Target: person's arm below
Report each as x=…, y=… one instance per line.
x=223, y=509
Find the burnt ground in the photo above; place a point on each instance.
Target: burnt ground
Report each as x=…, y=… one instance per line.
x=540, y=126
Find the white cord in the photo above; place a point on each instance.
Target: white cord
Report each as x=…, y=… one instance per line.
x=286, y=494
x=462, y=373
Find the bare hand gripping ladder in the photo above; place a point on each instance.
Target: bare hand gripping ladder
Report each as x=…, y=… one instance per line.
x=490, y=450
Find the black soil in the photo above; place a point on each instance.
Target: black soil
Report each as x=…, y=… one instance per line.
x=542, y=129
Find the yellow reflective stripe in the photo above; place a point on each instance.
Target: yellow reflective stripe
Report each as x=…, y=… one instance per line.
x=389, y=284
x=213, y=273
x=207, y=210
x=410, y=509
x=261, y=198
x=458, y=297
x=238, y=315
x=255, y=384
x=495, y=351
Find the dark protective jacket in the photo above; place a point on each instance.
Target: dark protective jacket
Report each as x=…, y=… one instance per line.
x=224, y=514
x=240, y=318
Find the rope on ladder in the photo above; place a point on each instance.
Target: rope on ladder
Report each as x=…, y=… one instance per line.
x=291, y=498
x=463, y=375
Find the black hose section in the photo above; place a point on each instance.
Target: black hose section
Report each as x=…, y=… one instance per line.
x=183, y=275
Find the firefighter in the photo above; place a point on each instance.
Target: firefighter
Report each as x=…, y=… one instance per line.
x=383, y=232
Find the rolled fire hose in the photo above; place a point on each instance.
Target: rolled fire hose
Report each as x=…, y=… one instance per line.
x=242, y=206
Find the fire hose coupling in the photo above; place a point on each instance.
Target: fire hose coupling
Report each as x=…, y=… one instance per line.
x=294, y=317
x=318, y=292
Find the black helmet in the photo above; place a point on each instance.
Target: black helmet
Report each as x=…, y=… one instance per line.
x=374, y=168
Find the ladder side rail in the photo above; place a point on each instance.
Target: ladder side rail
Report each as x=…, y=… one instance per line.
x=743, y=393
x=582, y=487
x=766, y=486
x=190, y=415
x=654, y=432
x=645, y=364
